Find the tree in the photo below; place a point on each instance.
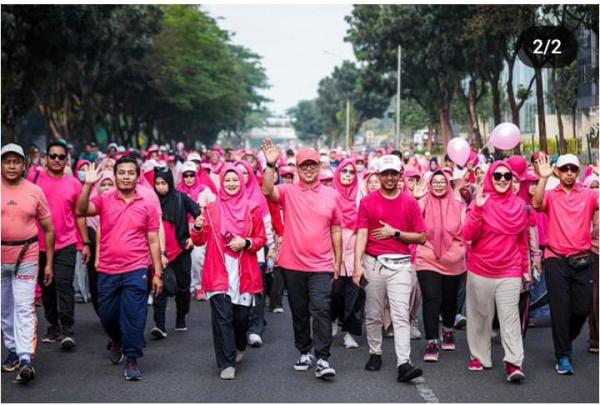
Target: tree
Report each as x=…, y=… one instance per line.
x=307, y=119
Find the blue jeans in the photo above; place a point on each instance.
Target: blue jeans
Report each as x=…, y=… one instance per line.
x=122, y=306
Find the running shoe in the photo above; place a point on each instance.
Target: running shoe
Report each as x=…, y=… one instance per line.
x=26, y=373
x=11, y=363
x=324, y=370
x=564, y=366
x=304, y=362
x=407, y=372
x=432, y=351
x=448, y=342
x=132, y=371
x=513, y=373
x=475, y=365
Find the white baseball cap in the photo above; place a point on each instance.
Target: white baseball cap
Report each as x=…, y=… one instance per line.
x=189, y=166
x=13, y=148
x=389, y=162
x=193, y=156
x=567, y=159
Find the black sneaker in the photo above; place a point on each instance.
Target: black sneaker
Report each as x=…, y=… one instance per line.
x=26, y=373
x=11, y=363
x=132, y=371
x=67, y=343
x=407, y=372
x=116, y=353
x=52, y=335
x=158, y=333
x=323, y=369
x=180, y=325
x=304, y=362
x=374, y=363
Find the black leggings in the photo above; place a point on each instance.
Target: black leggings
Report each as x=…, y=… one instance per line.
x=439, y=296
x=182, y=266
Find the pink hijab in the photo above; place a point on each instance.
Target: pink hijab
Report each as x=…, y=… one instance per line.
x=348, y=195
x=233, y=209
x=194, y=191
x=253, y=189
x=106, y=174
x=504, y=213
x=442, y=217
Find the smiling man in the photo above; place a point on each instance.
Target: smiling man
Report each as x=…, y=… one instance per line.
x=567, y=259
x=311, y=252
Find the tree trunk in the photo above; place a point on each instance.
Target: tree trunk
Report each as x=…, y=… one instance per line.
x=539, y=92
x=472, y=113
x=8, y=133
x=514, y=110
x=445, y=124
x=574, y=122
x=496, y=101
x=430, y=129
x=561, y=131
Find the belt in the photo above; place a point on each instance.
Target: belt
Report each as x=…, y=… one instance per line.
x=393, y=261
x=19, y=242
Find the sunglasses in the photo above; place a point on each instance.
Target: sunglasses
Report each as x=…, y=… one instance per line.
x=54, y=156
x=309, y=166
x=189, y=175
x=568, y=168
x=507, y=176
x=348, y=171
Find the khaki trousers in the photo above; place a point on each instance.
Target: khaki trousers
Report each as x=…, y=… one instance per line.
x=396, y=285
x=483, y=295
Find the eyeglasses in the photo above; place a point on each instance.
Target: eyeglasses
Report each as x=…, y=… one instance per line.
x=348, y=171
x=569, y=168
x=309, y=166
x=439, y=183
x=507, y=176
x=189, y=175
x=54, y=156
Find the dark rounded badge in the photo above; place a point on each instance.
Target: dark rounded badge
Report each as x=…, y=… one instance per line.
x=547, y=47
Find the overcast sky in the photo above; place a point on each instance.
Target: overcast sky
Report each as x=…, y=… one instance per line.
x=292, y=40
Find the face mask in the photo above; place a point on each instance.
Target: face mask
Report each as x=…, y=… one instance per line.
x=81, y=175
x=360, y=168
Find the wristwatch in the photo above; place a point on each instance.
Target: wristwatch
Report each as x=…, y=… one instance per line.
x=397, y=234
x=271, y=165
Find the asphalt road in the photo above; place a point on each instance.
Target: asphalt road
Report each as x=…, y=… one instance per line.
x=182, y=368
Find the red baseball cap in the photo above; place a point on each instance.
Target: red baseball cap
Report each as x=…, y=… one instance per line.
x=306, y=155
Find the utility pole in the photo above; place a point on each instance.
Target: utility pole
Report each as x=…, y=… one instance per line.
x=399, y=77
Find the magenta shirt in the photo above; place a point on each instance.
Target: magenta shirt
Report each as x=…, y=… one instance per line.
x=402, y=213
x=62, y=194
x=491, y=254
x=124, y=227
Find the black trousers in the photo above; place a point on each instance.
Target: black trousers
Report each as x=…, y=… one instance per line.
x=91, y=270
x=309, y=294
x=439, y=296
x=182, y=265
x=256, y=315
x=275, y=289
x=461, y=295
x=344, y=295
x=229, y=327
x=59, y=296
x=570, y=294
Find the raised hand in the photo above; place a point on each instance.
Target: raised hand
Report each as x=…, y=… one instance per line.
x=421, y=189
x=480, y=198
x=544, y=167
x=199, y=222
x=271, y=152
x=92, y=174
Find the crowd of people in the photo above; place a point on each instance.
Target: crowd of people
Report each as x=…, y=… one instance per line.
x=360, y=243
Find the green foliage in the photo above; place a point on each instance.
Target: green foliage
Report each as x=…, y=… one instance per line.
x=308, y=121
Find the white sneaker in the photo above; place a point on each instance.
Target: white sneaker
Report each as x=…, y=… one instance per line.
x=278, y=310
x=150, y=299
x=228, y=373
x=323, y=369
x=350, y=342
x=415, y=333
x=254, y=340
x=334, y=328
x=304, y=362
x=239, y=356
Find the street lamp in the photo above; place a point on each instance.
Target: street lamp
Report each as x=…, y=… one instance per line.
x=399, y=76
x=347, y=106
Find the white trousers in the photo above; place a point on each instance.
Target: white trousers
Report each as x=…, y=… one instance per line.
x=19, y=321
x=396, y=285
x=198, y=255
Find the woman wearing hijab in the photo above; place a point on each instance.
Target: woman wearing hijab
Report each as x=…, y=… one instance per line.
x=176, y=206
x=440, y=261
x=592, y=181
x=253, y=193
x=370, y=183
x=346, y=305
x=497, y=228
x=80, y=276
x=233, y=231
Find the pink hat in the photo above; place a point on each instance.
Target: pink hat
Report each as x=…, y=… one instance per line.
x=306, y=155
x=326, y=174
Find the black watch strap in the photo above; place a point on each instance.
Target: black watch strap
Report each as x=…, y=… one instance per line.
x=397, y=234
x=271, y=165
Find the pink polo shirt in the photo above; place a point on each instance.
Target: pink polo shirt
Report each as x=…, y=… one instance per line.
x=569, y=219
x=308, y=214
x=62, y=194
x=402, y=213
x=124, y=228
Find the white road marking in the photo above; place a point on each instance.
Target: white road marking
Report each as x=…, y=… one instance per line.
x=424, y=391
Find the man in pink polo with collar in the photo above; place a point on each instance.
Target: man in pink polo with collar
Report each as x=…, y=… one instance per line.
x=310, y=255
x=567, y=259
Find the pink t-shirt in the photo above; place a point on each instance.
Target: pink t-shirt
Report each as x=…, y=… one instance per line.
x=569, y=219
x=62, y=194
x=22, y=206
x=309, y=214
x=402, y=213
x=124, y=228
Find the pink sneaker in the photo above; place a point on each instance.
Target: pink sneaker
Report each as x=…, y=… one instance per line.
x=475, y=365
x=448, y=341
x=200, y=295
x=432, y=352
x=513, y=373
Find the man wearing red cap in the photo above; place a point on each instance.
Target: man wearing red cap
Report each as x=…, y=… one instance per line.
x=310, y=254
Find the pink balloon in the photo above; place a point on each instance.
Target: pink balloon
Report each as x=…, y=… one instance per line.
x=459, y=151
x=505, y=136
